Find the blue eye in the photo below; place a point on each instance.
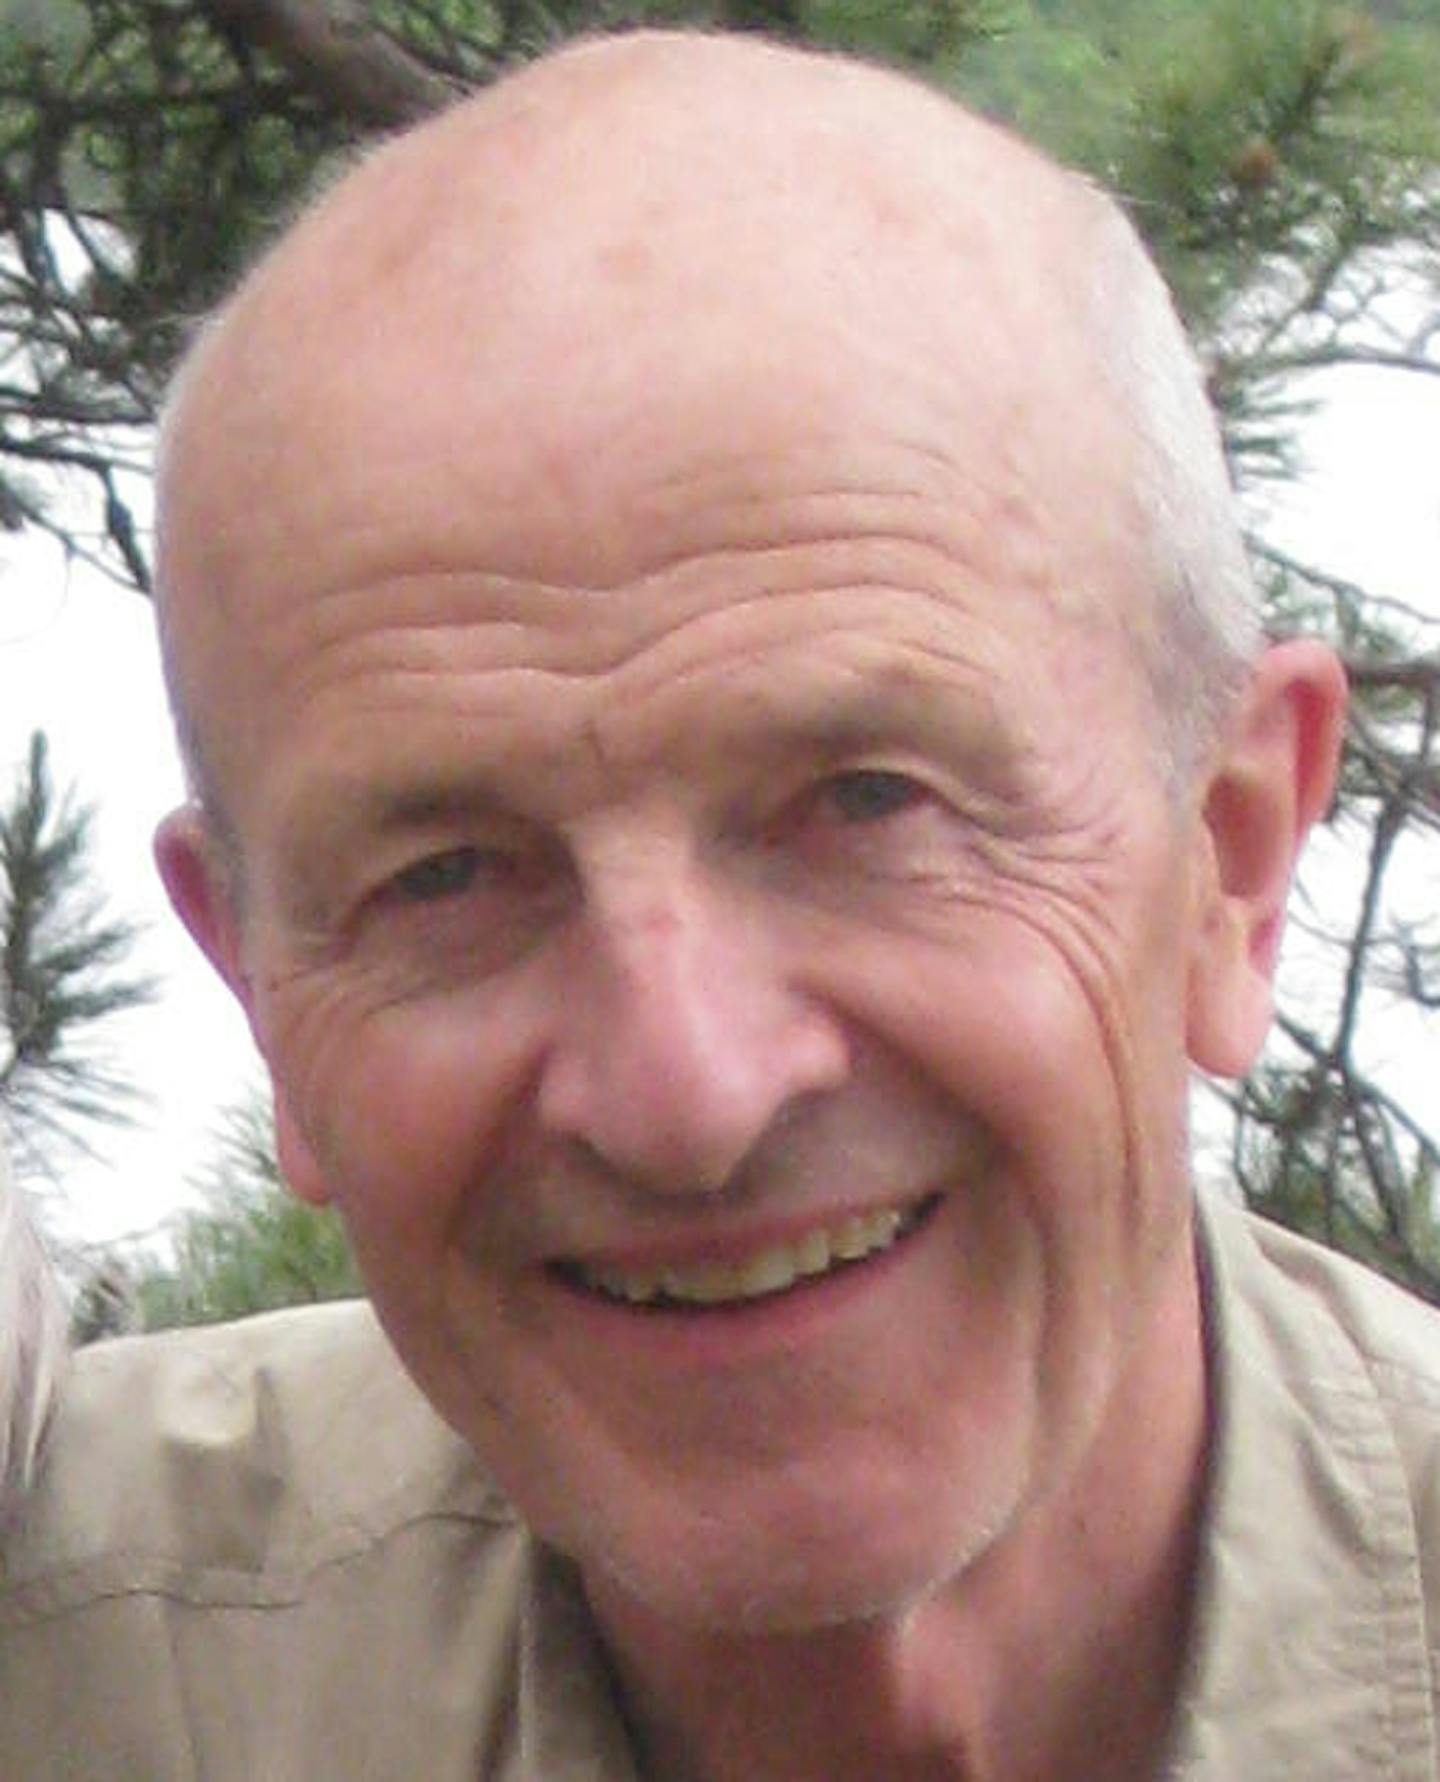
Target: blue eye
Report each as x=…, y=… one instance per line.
x=439, y=875
x=868, y=794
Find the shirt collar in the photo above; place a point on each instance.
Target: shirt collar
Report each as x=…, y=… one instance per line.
x=1310, y=1655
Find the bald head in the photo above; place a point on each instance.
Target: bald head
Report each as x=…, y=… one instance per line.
x=669, y=230
x=656, y=165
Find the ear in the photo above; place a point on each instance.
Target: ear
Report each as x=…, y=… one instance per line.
x=1272, y=780
x=200, y=883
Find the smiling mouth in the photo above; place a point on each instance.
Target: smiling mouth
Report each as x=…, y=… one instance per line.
x=817, y=1254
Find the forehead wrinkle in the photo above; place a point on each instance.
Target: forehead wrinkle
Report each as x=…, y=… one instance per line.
x=664, y=634
x=510, y=620
x=637, y=643
x=967, y=235
x=814, y=700
x=757, y=717
x=450, y=617
x=1006, y=519
x=966, y=518
x=861, y=483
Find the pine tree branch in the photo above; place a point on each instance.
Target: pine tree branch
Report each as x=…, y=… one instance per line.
x=337, y=52
x=1330, y=356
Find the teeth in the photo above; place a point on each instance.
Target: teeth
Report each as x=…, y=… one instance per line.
x=771, y=1273
x=812, y=1253
x=766, y=1272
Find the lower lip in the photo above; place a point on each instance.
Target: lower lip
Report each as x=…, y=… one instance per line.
x=738, y=1328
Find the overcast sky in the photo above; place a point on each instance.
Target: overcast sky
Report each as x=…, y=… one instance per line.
x=77, y=656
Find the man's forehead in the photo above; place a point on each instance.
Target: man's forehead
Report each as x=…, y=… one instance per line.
x=634, y=251
x=617, y=217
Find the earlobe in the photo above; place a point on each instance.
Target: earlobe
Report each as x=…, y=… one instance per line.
x=1271, y=782
x=299, y=1167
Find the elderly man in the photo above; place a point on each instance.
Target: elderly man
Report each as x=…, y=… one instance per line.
x=735, y=777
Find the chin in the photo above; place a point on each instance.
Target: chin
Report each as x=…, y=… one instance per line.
x=742, y=1581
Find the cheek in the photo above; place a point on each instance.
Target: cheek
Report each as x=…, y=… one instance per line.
x=1062, y=1042
x=401, y=1106
x=996, y=1014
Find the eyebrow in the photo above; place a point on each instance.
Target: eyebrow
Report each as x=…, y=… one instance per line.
x=376, y=809
x=911, y=711
x=391, y=809
x=820, y=726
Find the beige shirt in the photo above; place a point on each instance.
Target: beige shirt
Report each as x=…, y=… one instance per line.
x=255, y=1555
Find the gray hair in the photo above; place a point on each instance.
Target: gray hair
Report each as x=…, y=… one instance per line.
x=1207, y=628
x=32, y=1342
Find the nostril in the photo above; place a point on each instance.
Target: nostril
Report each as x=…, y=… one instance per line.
x=679, y=1043
x=681, y=1113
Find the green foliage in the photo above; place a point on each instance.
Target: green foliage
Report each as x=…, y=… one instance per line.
x=1276, y=138
x=252, y=1247
x=168, y=148
x=62, y=972
x=1268, y=150
x=921, y=33
x=1306, y=1133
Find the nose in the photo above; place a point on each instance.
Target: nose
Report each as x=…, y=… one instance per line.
x=681, y=1043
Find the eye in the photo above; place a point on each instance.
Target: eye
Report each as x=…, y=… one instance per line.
x=439, y=876
x=870, y=794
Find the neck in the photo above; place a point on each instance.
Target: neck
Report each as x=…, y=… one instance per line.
x=1060, y=1653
